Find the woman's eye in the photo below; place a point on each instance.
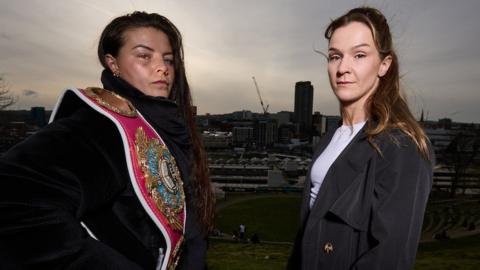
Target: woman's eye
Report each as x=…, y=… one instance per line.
x=333, y=57
x=144, y=56
x=168, y=61
x=360, y=55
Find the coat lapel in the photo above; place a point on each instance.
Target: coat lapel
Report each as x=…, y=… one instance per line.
x=344, y=191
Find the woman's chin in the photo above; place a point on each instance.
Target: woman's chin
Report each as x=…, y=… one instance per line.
x=157, y=92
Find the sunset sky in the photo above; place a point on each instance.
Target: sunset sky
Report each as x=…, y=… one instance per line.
x=47, y=46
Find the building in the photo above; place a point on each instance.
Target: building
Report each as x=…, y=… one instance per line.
x=303, y=109
x=282, y=117
x=242, y=135
x=285, y=133
x=38, y=116
x=332, y=122
x=239, y=176
x=217, y=140
x=319, y=123
x=266, y=132
x=242, y=115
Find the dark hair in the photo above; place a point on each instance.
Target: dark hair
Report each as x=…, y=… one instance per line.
x=386, y=106
x=111, y=41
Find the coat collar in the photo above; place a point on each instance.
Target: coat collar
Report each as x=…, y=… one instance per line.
x=341, y=190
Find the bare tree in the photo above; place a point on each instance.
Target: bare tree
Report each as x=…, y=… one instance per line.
x=6, y=98
x=460, y=155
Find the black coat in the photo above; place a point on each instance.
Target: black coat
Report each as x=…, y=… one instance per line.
x=74, y=170
x=369, y=210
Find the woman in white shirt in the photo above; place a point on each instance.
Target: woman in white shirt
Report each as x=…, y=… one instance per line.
x=368, y=186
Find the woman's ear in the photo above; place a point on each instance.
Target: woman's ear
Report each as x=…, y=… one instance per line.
x=384, y=65
x=112, y=63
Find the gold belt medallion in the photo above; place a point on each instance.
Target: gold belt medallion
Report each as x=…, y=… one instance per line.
x=162, y=177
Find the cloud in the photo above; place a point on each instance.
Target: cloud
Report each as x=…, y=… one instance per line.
x=228, y=42
x=5, y=36
x=29, y=93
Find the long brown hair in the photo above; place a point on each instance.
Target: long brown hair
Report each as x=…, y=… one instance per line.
x=111, y=41
x=387, y=107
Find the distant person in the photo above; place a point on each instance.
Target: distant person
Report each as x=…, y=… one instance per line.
x=366, y=193
x=123, y=163
x=241, y=231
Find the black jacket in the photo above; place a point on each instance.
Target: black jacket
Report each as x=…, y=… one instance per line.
x=74, y=170
x=369, y=210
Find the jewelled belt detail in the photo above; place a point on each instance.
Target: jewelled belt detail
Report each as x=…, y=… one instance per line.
x=162, y=177
x=153, y=171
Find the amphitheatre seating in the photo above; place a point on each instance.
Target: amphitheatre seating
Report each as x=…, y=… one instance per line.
x=455, y=216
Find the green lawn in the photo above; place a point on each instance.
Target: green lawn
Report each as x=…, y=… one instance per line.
x=272, y=218
x=240, y=256
x=275, y=218
x=453, y=254
x=462, y=253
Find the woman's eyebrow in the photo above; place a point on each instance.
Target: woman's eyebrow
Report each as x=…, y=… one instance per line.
x=354, y=47
x=143, y=46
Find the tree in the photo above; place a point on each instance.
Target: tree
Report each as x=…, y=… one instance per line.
x=459, y=156
x=6, y=99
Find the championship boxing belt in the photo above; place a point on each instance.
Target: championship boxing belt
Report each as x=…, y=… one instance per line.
x=152, y=168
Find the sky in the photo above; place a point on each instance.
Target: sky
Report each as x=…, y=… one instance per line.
x=47, y=46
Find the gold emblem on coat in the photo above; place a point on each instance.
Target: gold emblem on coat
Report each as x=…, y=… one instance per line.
x=328, y=248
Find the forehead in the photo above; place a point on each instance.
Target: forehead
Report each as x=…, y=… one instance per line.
x=350, y=35
x=148, y=36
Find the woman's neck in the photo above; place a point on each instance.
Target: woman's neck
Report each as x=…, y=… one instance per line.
x=352, y=114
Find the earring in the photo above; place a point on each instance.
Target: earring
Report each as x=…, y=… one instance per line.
x=116, y=74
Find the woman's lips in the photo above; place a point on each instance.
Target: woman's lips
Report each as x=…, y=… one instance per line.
x=160, y=82
x=342, y=83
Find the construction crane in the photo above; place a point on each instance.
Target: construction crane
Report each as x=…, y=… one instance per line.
x=265, y=108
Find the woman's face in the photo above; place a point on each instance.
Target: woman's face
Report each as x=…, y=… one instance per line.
x=145, y=61
x=354, y=64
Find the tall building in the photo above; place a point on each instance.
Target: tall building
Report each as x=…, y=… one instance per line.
x=303, y=109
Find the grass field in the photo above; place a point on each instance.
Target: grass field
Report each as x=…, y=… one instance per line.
x=454, y=254
x=275, y=218
x=240, y=256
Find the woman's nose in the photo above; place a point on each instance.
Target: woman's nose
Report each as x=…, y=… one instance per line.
x=161, y=66
x=344, y=66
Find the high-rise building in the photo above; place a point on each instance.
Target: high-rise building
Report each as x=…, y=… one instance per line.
x=303, y=109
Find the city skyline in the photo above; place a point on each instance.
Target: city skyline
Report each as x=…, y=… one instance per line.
x=47, y=46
